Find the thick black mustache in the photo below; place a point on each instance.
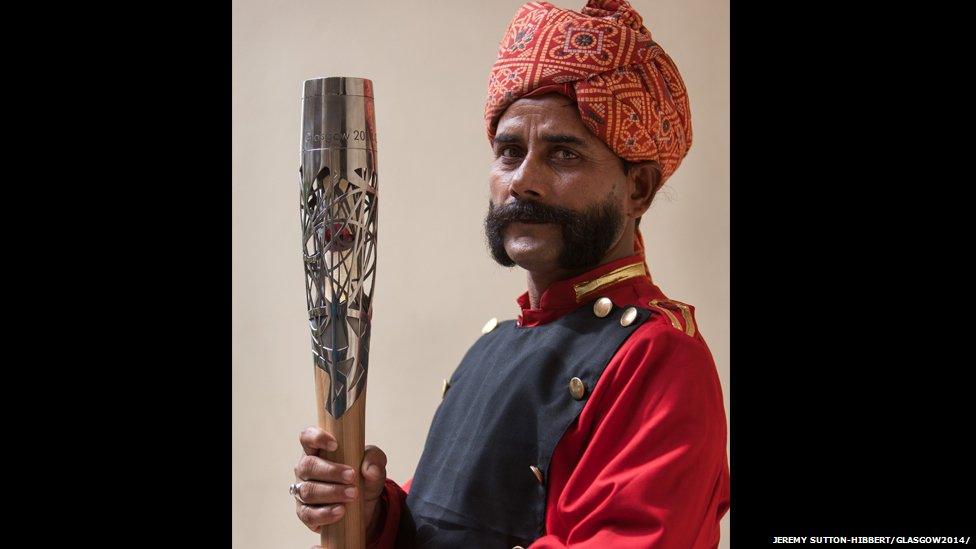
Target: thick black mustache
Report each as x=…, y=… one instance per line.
x=586, y=236
x=527, y=212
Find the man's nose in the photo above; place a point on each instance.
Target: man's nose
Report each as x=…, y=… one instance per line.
x=528, y=181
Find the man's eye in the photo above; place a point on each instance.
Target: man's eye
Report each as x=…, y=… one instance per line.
x=508, y=152
x=564, y=154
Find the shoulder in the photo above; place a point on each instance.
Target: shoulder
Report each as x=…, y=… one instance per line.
x=670, y=331
x=494, y=332
x=680, y=316
x=664, y=376
x=667, y=353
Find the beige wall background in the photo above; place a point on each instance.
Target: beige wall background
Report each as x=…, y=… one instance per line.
x=436, y=284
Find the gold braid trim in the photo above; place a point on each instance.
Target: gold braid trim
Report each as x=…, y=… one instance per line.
x=674, y=321
x=585, y=289
x=664, y=307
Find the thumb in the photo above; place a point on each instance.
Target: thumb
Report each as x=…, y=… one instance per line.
x=374, y=472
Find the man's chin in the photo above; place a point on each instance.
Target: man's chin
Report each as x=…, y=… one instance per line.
x=533, y=254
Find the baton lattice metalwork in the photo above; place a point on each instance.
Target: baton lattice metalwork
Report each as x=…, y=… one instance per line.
x=338, y=214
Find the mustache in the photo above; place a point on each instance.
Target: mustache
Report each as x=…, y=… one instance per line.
x=527, y=212
x=586, y=235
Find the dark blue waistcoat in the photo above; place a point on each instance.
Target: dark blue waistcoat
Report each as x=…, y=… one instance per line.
x=507, y=406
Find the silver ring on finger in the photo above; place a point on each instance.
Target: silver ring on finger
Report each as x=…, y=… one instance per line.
x=294, y=488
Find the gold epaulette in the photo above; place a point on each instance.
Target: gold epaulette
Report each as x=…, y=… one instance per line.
x=668, y=307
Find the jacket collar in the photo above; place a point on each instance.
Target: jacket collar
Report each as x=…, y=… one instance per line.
x=565, y=296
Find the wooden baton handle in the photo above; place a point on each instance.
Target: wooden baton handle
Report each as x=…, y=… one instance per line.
x=350, y=432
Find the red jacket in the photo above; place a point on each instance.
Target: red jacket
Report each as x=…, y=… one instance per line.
x=645, y=463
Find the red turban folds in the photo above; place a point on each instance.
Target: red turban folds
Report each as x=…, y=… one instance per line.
x=627, y=90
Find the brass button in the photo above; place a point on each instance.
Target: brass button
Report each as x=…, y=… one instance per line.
x=577, y=388
x=602, y=306
x=490, y=325
x=629, y=316
x=537, y=472
x=445, y=387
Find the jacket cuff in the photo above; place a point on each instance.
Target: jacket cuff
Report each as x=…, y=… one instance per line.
x=392, y=501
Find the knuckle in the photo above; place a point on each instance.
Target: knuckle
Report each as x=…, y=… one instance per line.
x=304, y=514
x=307, y=435
x=305, y=466
x=305, y=491
x=376, y=455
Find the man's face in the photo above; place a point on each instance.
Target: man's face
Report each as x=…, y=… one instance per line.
x=557, y=191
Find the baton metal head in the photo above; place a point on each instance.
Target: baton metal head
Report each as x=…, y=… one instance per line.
x=338, y=217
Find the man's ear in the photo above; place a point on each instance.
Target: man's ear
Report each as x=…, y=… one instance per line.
x=644, y=180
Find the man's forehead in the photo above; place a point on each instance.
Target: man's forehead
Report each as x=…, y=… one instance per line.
x=549, y=112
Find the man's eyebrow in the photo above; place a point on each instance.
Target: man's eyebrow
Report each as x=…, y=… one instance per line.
x=506, y=138
x=563, y=138
x=549, y=138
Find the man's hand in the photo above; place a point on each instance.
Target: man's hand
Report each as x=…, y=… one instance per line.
x=327, y=486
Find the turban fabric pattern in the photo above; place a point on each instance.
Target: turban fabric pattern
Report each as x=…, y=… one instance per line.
x=627, y=89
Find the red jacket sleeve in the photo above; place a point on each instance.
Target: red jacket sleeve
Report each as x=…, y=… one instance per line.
x=393, y=500
x=645, y=465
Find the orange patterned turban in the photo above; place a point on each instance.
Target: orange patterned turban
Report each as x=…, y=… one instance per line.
x=627, y=90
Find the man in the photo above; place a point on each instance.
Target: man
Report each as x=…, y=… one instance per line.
x=596, y=418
